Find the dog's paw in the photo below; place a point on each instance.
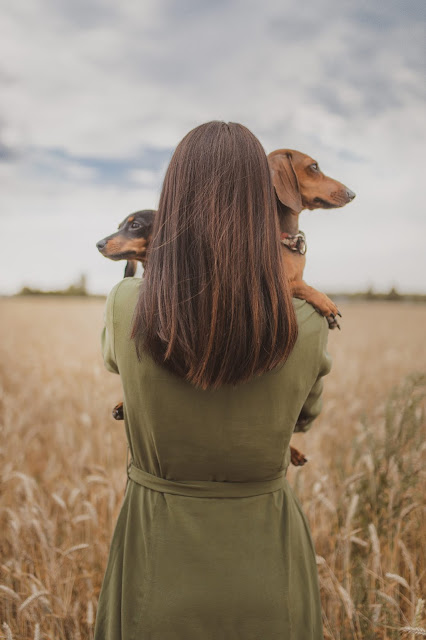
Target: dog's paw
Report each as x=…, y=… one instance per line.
x=118, y=411
x=297, y=458
x=325, y=307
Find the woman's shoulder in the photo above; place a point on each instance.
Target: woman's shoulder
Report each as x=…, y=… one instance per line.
x=122, y=298
x=310, y=322
x=307, y=315
x=125, y=289
x=310, y=351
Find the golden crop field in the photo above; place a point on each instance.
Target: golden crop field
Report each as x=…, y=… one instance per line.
x=63, y=471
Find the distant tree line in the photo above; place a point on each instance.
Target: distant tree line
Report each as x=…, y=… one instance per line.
x=80, y=289
x=77, y=289
x=370, y=295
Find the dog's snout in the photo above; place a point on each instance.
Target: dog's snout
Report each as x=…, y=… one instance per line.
x=351, y=195
x=101, y=244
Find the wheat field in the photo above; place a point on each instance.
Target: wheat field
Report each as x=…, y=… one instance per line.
x=63, y=471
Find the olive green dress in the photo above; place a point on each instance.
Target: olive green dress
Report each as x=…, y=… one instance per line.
x=211, y=542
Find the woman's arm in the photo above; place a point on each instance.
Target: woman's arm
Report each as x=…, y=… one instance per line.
x=313, y=403
x=108, y=336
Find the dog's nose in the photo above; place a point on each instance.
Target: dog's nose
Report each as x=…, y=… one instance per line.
x=101, y=244
x=351, y=195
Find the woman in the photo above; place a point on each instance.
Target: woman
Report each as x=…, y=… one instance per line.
x=218, y=367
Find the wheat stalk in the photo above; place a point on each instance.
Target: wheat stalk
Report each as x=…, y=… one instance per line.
x=31, y=599
x=8, y=631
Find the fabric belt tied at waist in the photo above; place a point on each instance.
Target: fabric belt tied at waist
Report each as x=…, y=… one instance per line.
x=206, y=488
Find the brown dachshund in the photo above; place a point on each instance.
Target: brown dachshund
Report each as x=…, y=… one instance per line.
x=300, y=184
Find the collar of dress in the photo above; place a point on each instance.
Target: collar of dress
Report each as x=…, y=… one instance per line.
x=296, y=242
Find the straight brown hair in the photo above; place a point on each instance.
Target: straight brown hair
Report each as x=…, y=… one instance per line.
x=215, y=306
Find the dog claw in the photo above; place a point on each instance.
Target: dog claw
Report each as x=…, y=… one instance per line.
x=339, y=314
x=332, y=322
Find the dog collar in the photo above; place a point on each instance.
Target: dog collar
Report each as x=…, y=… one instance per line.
x=296, y=242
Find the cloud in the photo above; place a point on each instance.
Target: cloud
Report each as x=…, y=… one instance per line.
x=97, y=94
x=145, y=167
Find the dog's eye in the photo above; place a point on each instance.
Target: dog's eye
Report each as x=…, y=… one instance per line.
x=135, y=225
x=315, y=166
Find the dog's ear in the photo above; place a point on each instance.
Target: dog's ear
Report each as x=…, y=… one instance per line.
x=130, y=270
x=285, y=180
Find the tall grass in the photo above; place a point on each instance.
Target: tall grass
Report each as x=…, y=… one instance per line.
x=370, y=523
x=62, y=471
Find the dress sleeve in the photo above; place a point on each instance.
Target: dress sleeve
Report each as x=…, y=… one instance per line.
x=108, y=336
x=313, y=403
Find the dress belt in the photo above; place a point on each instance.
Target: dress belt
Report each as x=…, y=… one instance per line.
x=206, y=488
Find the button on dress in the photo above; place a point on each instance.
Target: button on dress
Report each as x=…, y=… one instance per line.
x=211, y=542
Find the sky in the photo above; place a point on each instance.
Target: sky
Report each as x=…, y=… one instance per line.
x=96, y=94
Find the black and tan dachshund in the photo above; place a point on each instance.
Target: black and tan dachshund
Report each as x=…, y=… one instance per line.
x=131, y=241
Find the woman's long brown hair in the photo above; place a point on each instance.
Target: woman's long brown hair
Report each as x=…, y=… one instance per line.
x=215, y=307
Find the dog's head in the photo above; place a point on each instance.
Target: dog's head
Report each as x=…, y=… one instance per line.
x=132, y=239
x=300, y=184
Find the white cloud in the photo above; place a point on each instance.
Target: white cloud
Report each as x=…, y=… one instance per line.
x=96, y=94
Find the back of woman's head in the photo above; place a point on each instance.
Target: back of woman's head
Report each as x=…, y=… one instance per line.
x=215, y=306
